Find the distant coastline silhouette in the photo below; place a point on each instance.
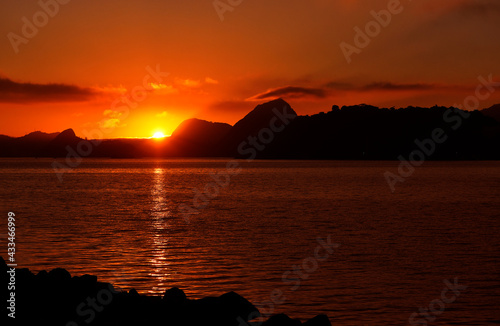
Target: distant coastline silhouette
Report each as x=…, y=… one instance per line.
x=359, y=132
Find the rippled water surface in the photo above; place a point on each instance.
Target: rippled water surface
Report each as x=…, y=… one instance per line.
x=121, y=220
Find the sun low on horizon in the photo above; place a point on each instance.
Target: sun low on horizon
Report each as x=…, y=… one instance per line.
x=159, y=135
x=151, y=123
x=158, y=63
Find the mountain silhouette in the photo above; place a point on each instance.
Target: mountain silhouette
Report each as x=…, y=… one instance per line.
x=38, y=136
x=27, y=145
x=57, y=147
x=352, y=132
x=195, y=137
x=201, y=131
x=493, y=112
x=251, y=124
x=367, y=132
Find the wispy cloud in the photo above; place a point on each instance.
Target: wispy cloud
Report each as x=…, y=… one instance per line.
x=19, y=92
x=397, y=87
x=112, y=119
x=384, y=86
x=290, y=92
x=194, y=83
x=295, y=92
x=112, y=114
x=188, y=82
x=339, y=85
x=110, y=124
x=209, y=80
x=163, y=88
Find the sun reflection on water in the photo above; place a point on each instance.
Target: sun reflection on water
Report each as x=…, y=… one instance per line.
x=160, y=224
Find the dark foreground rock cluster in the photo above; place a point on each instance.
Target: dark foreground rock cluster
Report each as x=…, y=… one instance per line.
x=57, y=298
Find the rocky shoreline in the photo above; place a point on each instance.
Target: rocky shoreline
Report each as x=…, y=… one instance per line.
x=57, y=298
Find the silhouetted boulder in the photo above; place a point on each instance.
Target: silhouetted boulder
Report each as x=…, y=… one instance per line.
x=237, y=306
x=174, y=296
x=281, y=320
x=59, y=275
x=42, y=276
x=25, y=273
x=3, y=264
x=87, y=279
x=320, y=320
x=221, y=311
x=84, y=282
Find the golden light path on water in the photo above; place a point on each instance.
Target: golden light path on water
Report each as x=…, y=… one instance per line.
x=120, y=220
x=159, y=213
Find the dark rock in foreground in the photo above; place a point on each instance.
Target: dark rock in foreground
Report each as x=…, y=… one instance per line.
x=56, y=298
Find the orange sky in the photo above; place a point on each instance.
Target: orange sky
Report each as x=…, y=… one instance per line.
x=93, y=53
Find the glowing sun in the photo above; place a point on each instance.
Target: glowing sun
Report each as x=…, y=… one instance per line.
x=159, y=134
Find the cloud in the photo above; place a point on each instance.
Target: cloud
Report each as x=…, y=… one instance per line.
x=162, y=115
x=290, y=92
x=192, y=83
x=188, y=82
x=110, y=124
x=111, y=89
x=382, y=86
x=331, y=89
x=386, y=86
x=112, y=120
x=339, y=85
x=326, y=90
x=163, y=88
x=209, y=80
x=112, y=114
x=17, y=92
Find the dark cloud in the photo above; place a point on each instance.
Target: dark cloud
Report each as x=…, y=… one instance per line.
x=397, y=87
x=340, y=85
x=324, y=91
x=291, y=92
x=380, y=86
x=15, y=92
